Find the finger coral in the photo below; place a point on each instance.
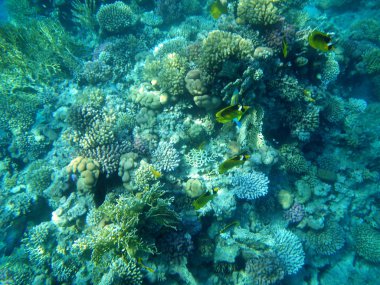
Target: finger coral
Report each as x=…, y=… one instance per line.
x=257, y=12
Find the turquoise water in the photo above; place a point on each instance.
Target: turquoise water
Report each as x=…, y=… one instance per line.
x=189, y=142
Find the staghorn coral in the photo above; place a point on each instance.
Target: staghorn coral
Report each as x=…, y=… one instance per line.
x=116, y=17
x=367, y=242
x=328, y=240
x=257, y=12
x=250, y=186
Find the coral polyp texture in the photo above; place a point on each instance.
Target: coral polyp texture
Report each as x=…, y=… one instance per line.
x=115, y=17
x=250, y=186
x=189, y=142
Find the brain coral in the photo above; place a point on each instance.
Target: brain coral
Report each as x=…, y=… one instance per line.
x=115, y=17
x=257, y=12
x=367, y=242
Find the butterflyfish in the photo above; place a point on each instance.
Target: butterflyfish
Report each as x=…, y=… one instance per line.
x=320, y=41
x=218, y=8
x=202, y=200
x=230, y=113
x=155, y=173
x=232, y=162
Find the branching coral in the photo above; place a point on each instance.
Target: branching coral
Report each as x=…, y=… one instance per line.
x=122, y=272
x=328, y=240
x=293, y=161
x=116, y=17
x=266, y=269
x=220, y=46
x=250, y=186
x=165, y=157
x=257, y=12
x=126, y=219
x=289, y=249
x=38, y=243
x=367, y=242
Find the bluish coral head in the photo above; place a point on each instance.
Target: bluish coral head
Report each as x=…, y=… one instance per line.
x=250, y=186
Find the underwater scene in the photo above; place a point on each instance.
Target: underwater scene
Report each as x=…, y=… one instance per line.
x=211, y=142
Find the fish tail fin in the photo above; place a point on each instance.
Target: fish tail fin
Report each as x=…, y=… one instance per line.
x=236, y=121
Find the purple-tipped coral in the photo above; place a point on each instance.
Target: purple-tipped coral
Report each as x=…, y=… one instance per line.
x=250, y=186
x=295, y=214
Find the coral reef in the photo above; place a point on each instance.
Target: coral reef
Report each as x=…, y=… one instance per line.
x=257, y=12
x=250, y=186
x=367, y=241
x=117, y=117
x=115, y=17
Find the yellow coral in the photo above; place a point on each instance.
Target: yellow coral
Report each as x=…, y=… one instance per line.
x=257, y=12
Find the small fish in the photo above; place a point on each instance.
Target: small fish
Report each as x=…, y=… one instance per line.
x=202, y=145
x=231, y=112
x=284, y=47
x=235, y=97
x=228, y=226
x=308, y=97
x=202, y=200
x=218, y=8
x=320, y=41
x=232, y=162
x=139, y=261
x=155, y=172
